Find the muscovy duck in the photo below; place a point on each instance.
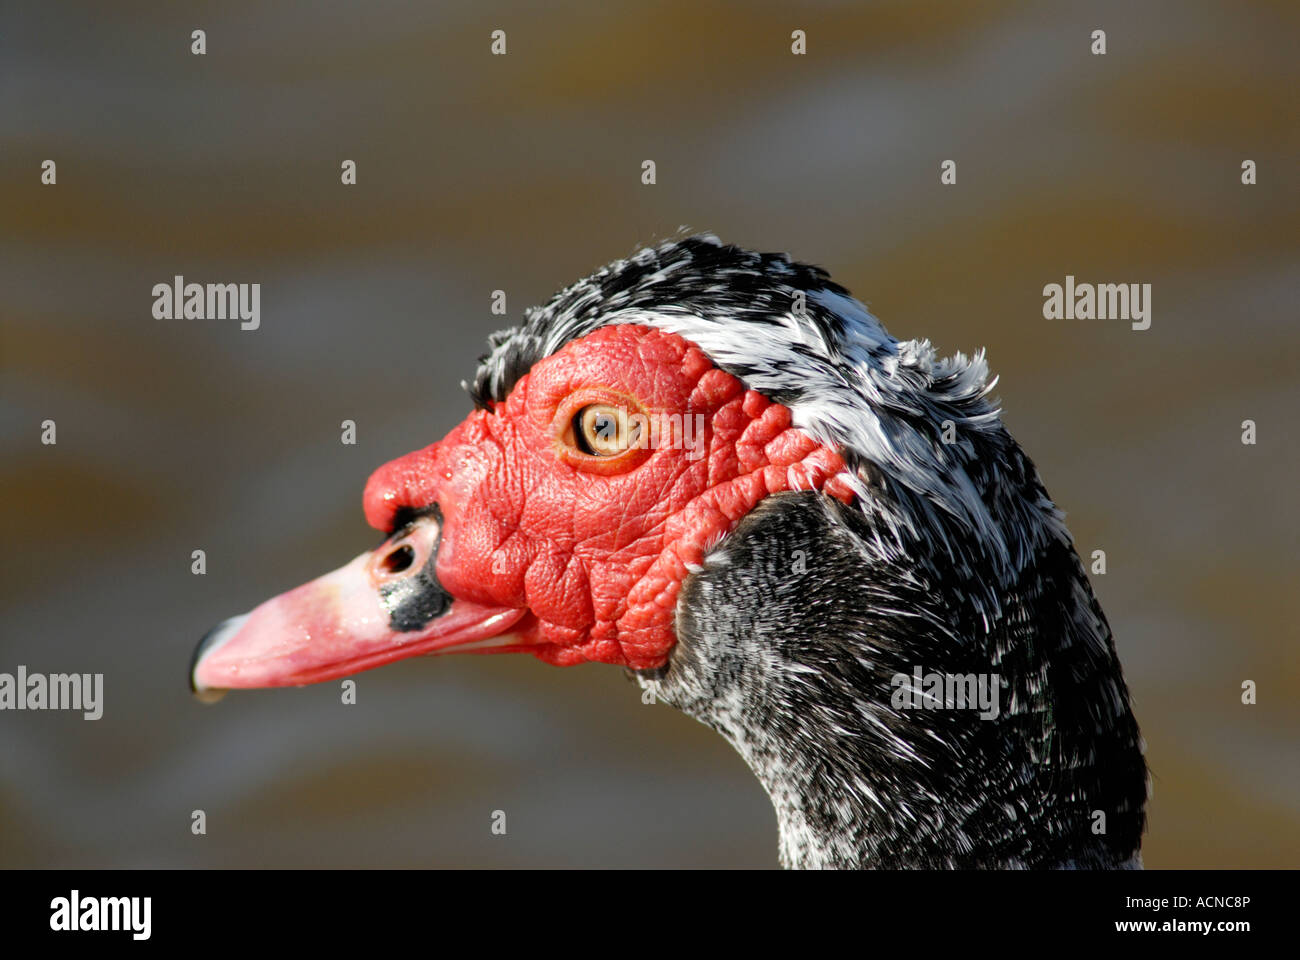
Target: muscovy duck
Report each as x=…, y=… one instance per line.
x=715, y=468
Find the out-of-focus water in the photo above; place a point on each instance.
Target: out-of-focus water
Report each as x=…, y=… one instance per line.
x=522, y=173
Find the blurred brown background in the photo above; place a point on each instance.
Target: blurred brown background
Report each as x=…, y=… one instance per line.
x=522, y=173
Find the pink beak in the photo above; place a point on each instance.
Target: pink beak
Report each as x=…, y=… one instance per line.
x=385, y=605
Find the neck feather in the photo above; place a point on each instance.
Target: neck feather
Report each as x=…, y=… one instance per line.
x=790, y=640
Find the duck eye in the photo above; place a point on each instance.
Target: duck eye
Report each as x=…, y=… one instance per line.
x=603, y=430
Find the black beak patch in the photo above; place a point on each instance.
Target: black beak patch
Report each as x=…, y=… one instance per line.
x=414, y=600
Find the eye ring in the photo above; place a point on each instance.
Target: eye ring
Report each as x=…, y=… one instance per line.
x=600, y=430
x=605, y=430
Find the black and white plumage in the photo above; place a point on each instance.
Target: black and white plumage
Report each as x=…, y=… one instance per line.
x=952, y=558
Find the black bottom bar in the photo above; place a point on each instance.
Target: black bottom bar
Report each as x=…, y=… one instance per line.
x=332, y=908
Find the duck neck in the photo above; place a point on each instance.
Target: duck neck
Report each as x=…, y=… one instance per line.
x=792, y=643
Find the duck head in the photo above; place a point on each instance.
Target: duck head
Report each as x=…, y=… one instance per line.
x=716, y=469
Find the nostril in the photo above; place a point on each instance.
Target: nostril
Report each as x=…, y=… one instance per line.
x=399, y=559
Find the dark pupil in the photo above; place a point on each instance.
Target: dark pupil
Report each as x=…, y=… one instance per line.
x=605, y=426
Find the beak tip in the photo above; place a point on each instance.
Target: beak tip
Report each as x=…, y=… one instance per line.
x=207, y=695
x=213, y=640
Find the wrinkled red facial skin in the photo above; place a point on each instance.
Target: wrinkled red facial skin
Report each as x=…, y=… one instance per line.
x=599, y=558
